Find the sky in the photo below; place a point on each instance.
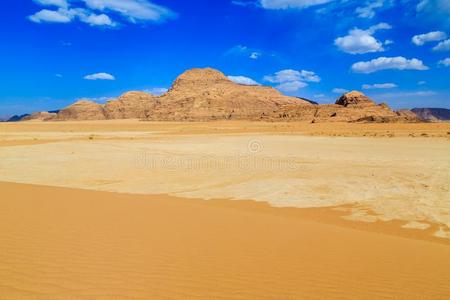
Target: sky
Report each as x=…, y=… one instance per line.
x=53, y=52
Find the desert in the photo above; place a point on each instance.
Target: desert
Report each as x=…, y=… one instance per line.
x=224, y=210
x=226, y=149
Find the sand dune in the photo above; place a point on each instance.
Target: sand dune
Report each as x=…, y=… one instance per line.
x=71, y=244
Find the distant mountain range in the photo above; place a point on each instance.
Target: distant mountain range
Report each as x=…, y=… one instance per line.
x=207, y=94
x=433, y=114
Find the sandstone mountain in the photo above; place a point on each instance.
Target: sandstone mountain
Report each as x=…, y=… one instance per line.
x=82, y=110
x=207, y=94
x=40, y=116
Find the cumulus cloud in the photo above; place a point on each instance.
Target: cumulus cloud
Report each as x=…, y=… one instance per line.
x=51, y=16
x=100, y=76
x=286, y=4
x=63, y=15
x=291, y=80
x=432, y=36
x=96, y=20
x=243, y=80
x=340, y=91
x=360, y=41
x=134, y=10
x=379, y=86
x=443, y=46
x=445, y=62
x=385, y=63
x=292, y=75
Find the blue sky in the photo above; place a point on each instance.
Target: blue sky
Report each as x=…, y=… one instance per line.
x=53, y=52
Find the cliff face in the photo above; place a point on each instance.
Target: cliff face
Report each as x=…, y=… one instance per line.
x=207, y=94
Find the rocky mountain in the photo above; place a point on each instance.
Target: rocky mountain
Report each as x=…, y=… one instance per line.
x=40, y=116
x=433, y=114
x=207, y=94
x=17, y=118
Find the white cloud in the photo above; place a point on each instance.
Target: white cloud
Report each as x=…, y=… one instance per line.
x=432, y=36
x=63, y=15
x=255, y=55
x=59, y=3
x=96, y=20
x=360, y=41
x=368, y=11
x=51, y=16
x=421, y=82
x=291, y=86
x=58, y=75
x=339, y=91
x=445, y=62
x=385, y=63
x=292, y=75
x=100, y=76
x=379, y=86
x=157, y=91
x=292, y=80
x=443, y=46
x=243, y=80
x=134, y=10
x=286, y=4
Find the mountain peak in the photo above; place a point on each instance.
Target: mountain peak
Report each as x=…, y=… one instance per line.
x=199, y=77
x=354, y=98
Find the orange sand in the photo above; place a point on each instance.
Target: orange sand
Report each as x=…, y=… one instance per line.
x=58, y=243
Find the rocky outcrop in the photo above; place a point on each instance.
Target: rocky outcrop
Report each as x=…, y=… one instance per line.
x=207, y=94
x=82, y=110
x=355, y=99
x=131, y=105
x=433, y=114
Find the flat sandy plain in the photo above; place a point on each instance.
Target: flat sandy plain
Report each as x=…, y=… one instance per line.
x=117, y=210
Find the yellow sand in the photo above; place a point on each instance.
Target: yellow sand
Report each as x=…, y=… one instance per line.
x=69, y=237
x=59, y=243
x=285, y=164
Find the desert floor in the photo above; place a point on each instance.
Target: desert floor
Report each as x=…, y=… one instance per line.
x=116, y=209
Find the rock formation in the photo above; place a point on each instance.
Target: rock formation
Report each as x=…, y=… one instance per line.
x=355, y=99
x=82, y=110
x=40, y=116
x=207, y=94
x=131, y=105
